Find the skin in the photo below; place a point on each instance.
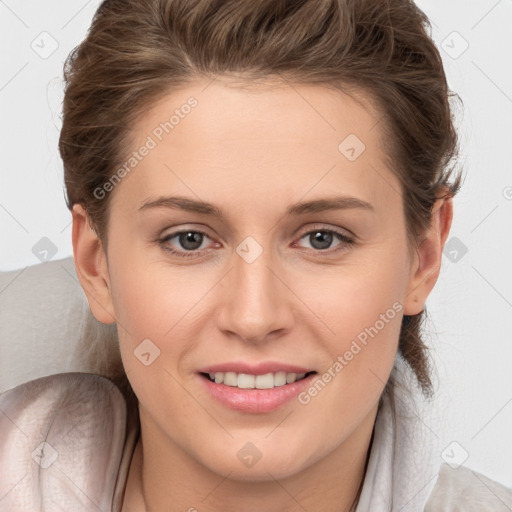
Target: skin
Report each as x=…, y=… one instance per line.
x=252, y=153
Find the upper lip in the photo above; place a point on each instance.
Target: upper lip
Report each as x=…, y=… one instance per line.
x=255, y=369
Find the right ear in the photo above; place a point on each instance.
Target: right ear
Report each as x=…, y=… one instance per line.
x=91, y=266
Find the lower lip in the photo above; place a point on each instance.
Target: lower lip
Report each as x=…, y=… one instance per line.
x=255, y=400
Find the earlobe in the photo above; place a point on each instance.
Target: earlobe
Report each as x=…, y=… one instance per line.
x=91, y=266
x=427, y=262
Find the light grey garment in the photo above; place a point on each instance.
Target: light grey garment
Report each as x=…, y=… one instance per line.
x=465, y=490
x=46, y=325
x=41, y=310
x=402, y=468
x=66, y=445
x=402, y=473
x=90, y=440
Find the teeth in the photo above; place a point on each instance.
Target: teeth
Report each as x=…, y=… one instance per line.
x=246, y=381
x=279, y=379
x=231, y=379
x=264, y=381
x=291, y=377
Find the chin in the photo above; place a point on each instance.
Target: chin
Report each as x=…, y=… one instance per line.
x=251, y=464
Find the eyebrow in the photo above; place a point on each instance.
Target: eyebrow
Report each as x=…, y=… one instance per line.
x=315, y=206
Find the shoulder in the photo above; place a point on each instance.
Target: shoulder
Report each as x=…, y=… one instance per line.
x=465, y=490
x=61, y=399
x=59, y=434
x=58, y=384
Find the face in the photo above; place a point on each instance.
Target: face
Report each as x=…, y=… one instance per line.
x=261, y=239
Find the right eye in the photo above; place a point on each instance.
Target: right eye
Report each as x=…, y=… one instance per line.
x=190, y=240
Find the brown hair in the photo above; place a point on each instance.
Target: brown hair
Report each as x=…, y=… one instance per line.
x=138, y=51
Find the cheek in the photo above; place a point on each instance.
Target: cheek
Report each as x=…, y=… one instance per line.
x=354, y=296
x=149, y=296
x=359, y=353
x=156, y=302
x=360, y=311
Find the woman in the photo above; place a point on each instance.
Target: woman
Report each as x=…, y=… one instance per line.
x=261, y=192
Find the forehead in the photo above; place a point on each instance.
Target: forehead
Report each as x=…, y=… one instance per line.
x=225, y=114
x=286, y=141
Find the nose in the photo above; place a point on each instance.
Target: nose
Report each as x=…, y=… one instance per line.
x=256, y=302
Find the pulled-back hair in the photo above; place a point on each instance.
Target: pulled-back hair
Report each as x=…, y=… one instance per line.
x=138, y=51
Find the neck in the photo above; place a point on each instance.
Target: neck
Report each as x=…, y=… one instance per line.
x=159, y=477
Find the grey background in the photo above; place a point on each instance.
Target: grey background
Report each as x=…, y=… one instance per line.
x=471, y=306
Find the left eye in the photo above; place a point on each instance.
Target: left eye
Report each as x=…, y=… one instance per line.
x=321, y=239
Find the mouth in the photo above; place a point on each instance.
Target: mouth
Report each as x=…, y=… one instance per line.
x=249, y=381
x=255, y=389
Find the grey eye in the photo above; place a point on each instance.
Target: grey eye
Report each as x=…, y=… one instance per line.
x=190, y=240
x=320, y=239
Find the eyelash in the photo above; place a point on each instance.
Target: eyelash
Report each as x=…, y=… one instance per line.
x=347, y=242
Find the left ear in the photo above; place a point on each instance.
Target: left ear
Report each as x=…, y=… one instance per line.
x=427, y=261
